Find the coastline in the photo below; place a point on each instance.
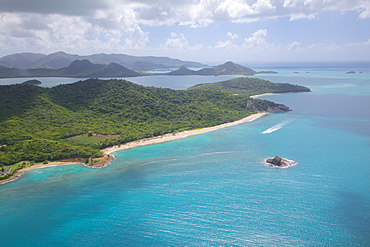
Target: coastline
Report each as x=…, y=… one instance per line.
x=179, y=135
x=260, y=95
x=105, y=160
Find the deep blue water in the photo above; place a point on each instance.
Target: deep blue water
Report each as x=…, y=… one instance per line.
x=214, y=189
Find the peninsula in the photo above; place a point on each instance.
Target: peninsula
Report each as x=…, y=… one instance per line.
x=76, y=121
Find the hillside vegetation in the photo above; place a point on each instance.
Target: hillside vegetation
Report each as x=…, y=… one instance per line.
x=77, y=120
x=35, y=122
x=250, y=86
x=228, y=68
x=77, y=69
x=61, y=60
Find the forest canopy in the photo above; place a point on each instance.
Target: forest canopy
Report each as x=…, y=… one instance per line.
x=36, y=123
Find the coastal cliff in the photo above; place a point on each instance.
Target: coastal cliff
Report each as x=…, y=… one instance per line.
x=267, y=106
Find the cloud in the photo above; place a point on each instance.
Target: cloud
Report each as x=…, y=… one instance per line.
x=137, y=38
x=193, y=13
x=65, y=7
x=294, y=46
x=229, y=43
x=258, y=40
x=87, y=26
x=177, y=41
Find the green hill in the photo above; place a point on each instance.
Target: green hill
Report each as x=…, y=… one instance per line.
x=183, y=71
x=60, y=60
x=36, y=122
x=77, y=69
x=250, y=86
x=228, y=68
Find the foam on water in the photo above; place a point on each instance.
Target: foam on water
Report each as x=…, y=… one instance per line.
x=290, y=164
x=277, y=127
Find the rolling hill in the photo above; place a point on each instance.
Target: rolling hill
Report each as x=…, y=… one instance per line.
x=36, y=122
x=250, y=86
x=60, y=60
x=228, y=68
x=77, y=69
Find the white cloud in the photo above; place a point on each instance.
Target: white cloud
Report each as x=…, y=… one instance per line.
x=232, y=36
x=258, y=40
x=294, y=46
x=229, y=42
x=88, y=26
x=177, y=41
x=137, y=38
x=299, y=16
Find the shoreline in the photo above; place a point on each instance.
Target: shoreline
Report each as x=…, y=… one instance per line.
x=138, y=143
x=179, y=135
x=260, y=95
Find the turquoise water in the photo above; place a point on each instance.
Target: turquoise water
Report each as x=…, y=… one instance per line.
x=214, y=189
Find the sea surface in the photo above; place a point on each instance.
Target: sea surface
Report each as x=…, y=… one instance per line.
x=214, y=189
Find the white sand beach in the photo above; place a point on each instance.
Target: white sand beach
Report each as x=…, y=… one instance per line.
x=138, y=143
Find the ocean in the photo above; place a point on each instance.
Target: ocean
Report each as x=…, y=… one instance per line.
x=214, y=189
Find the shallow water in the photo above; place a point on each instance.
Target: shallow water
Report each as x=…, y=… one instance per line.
x=214, y=188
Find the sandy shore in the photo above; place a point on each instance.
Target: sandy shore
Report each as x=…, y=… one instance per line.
x=179, y=135
x=19, y=173
x=260, y=95
x=138, y=143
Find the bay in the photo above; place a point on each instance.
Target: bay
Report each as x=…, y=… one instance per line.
x=214, y=188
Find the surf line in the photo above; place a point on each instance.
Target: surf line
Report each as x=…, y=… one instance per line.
x=277, y=126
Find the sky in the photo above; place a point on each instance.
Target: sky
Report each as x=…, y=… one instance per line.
x=197, y=30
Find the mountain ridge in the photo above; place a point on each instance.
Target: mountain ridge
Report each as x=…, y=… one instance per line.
x=228, y=68
x=61, y=59
x=77, y=69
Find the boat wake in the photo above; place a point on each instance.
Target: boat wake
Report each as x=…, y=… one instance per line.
x=277, y=126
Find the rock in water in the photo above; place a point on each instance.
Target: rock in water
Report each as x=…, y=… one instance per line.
x=280, y=162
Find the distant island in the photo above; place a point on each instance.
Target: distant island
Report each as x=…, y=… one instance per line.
x=251, y=86
x=61, y=64
x=77, y=69
x=75, y=121
x=228, y=68
x=86, y=69
x=61, y=59
x=32, y=82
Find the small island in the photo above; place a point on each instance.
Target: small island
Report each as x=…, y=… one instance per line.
x=280, y=162
x=32, y=82
x=266, y=72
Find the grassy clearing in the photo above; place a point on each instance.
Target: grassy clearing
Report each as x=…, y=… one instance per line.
x=95, y=138
x=17, y=166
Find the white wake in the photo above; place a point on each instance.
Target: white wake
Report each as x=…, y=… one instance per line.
x=277, y=126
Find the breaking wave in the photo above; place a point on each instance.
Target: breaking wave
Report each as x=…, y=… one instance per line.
x=277, y=126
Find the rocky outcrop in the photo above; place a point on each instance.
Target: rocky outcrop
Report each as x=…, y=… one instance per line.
x=280, y=162
x=278, y=108
x=266, y=106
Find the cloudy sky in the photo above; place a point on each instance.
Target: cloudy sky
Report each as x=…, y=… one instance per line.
x=199, y=30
